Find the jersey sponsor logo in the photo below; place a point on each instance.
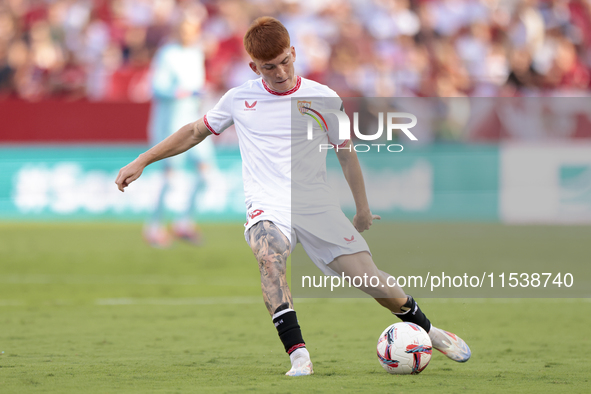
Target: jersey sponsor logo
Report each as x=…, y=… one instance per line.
x=250, y=107
x=255, y=213
x=350, y=240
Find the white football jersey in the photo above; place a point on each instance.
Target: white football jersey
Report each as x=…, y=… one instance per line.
x=274, y=145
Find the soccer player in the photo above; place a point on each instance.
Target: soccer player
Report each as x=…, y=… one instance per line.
x=261, y=111
x=178, y=76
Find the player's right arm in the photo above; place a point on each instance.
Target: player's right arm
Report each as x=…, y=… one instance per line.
x=182, y=140
x=214, y=122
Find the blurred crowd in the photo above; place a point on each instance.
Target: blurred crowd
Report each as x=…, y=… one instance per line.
x=101, y=50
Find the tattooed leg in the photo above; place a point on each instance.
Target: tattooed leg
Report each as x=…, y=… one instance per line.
x=271, y=248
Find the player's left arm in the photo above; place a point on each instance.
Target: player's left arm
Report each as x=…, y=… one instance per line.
x=352, y=170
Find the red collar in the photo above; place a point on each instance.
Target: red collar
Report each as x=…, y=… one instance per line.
x=290, y=91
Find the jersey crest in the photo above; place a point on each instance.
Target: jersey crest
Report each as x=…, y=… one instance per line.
x=303, y=106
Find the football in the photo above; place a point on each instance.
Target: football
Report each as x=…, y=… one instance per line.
x=404, y=348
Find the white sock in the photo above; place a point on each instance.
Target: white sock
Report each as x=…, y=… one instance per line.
x=302, y=354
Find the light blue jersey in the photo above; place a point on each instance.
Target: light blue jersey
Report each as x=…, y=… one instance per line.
x=176, y=68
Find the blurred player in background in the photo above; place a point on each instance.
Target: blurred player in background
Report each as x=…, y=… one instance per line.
x=261, y=111
x=177, y=84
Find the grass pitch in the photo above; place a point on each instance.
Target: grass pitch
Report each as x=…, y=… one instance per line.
x=92, y=309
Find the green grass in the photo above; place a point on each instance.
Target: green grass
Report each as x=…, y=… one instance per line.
x=91, y=309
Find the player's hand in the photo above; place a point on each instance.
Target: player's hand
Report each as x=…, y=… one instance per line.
x=363, y=220
x=128, y=174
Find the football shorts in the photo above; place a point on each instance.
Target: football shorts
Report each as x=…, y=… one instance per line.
x=324, y=236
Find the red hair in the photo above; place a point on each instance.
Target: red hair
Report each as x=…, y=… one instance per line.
x=266, y=39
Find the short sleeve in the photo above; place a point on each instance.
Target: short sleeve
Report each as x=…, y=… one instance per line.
x=220, y=117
